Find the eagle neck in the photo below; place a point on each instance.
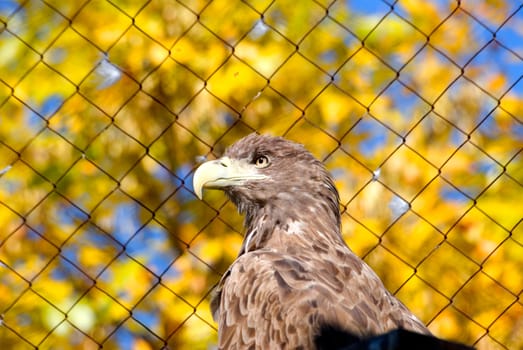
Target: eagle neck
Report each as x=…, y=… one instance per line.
x=280, y=226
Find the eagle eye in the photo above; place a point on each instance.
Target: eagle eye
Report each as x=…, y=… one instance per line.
x=261, y=162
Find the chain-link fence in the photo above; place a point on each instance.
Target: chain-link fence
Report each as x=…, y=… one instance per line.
x=106, y=107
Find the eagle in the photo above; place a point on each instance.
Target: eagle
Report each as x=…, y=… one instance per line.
x=295, y=283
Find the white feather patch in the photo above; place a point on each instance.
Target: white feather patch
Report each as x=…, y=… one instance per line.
x=248, y=240
x=295, y=228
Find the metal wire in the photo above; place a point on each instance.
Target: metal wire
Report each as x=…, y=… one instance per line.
x=100, y=283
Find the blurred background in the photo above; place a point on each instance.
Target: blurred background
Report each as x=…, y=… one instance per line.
x=108, y=106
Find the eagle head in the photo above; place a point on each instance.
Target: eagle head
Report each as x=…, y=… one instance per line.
x=264, y=172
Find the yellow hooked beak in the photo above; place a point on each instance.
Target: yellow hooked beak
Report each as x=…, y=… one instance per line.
x=224, y=172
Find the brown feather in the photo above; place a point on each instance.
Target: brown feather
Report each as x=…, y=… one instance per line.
x=295, y=274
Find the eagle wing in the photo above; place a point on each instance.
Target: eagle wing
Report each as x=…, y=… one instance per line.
x=273, y=300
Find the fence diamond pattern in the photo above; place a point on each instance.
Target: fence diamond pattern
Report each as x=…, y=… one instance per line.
x=107, y=107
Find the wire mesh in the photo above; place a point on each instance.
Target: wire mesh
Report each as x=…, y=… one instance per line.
x=106, y=107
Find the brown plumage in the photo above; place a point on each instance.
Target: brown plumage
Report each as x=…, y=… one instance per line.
x=294, y=278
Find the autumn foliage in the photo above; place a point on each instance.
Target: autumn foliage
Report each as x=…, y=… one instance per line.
x=107, y=106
